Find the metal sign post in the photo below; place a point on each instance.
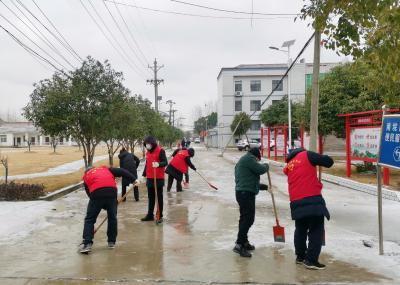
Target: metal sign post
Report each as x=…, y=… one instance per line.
x=388, y=156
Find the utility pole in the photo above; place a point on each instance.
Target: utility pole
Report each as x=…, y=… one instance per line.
x=173, y=117
x=170, y=103
x=155, y=82
x=315, y=92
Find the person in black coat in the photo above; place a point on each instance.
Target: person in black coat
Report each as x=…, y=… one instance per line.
x=130, y=162
x=101, y=188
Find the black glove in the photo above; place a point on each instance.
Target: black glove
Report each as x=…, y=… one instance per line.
x=194, y=168
x=263, y=187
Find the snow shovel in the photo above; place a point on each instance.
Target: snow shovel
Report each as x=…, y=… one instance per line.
x=158, y=214
x=279, y=232
x=119, y=201
x=209, y=184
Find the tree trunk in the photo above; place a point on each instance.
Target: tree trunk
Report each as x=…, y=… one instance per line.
x=315, y=93
x=110, y=146
x=29, y=146
x=85, y=155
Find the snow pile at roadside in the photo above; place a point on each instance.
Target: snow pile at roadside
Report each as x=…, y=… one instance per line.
x=19, y=219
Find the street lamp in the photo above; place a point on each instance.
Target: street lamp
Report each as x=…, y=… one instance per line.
x=287, y=45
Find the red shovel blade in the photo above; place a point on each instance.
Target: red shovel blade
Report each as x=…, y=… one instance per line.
x=279, y=233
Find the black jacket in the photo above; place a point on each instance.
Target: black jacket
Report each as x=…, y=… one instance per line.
x=129, y=162
x=109, y=192
x=314, y=205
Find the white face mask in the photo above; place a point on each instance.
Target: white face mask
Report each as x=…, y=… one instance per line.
x=149, y=146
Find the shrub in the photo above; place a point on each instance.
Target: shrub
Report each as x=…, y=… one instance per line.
x=21, y=191
x=366, y=167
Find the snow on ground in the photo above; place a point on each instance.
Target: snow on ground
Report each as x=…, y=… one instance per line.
x=19, y=219
x=353, y=219
x=58, y=170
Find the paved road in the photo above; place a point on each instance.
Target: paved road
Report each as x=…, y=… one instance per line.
x=194, y=245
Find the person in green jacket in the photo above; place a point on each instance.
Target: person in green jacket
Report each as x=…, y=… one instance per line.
x=247, y=179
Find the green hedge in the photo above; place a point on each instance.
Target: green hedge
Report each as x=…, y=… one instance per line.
x=20, y=191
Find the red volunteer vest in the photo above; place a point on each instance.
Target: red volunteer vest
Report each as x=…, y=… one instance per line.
x=99, y=177
x=302, y=178
x=179, y=161
x=154, y=157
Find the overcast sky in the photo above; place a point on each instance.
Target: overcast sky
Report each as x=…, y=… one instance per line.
x=192, y=49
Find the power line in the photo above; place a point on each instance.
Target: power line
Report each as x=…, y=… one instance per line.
x=232, y=11
x=146, y=33
x=15, y=27
x=41, y=36
x=51, y=32
x=111, y=42
x=273, y=90
x=115, y=40
x=58, y=32
x=200, y=16
x=29, y=50
x=130, y=33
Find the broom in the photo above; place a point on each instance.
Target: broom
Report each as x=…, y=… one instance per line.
x=209, y=184
x=158, y=214
x=279, y=232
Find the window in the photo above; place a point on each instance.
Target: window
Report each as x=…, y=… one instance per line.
x=255, y=105
x=238, y=86
x=275, y=102
x=255, y=85
x=275, y=83
x=238, y=105
x=3, y=138
x=255, y=125
x=47, y=139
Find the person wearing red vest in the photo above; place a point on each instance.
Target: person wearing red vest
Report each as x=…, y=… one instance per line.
x=307, y=205
x=178, y=166
x=101, y=188
x=155, y=158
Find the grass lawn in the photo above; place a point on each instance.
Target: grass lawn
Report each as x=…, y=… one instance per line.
x=53, y=183
x=40, y=159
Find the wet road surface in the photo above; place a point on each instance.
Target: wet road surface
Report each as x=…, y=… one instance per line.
x=192, y=246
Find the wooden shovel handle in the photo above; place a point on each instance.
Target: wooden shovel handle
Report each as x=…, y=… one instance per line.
x=273, y=198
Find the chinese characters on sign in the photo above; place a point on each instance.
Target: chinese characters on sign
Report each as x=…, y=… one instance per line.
x=365, y=142
x=390, y=142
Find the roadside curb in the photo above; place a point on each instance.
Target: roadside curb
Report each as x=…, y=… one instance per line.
x=353, y=185
x=61, y=192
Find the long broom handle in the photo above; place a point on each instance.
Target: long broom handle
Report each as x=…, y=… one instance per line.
x=119, y=201
x=205, y=180
x=158, y=214
x=273, y=198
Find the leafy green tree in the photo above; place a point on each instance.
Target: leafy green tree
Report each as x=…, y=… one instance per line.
x=341, y=91
x=277, y=115
x=207, y=122
x=243, y=123
x=76, y=104
x=365, y=29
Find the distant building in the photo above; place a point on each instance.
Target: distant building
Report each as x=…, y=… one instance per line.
x=17, y=134
x=243, y=89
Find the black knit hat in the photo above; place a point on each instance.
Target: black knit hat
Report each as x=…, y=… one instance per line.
x=256, y=152
x=191, y=152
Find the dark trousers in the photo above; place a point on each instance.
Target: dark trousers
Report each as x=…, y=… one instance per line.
x=313, y=227
x=171, y=181
x=135, y=192
x=247, y=206
x=152, y=197
x=93, y=209
x=187, y=177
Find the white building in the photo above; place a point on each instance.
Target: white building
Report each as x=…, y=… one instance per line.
x=17, y=134
x=243, y=89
